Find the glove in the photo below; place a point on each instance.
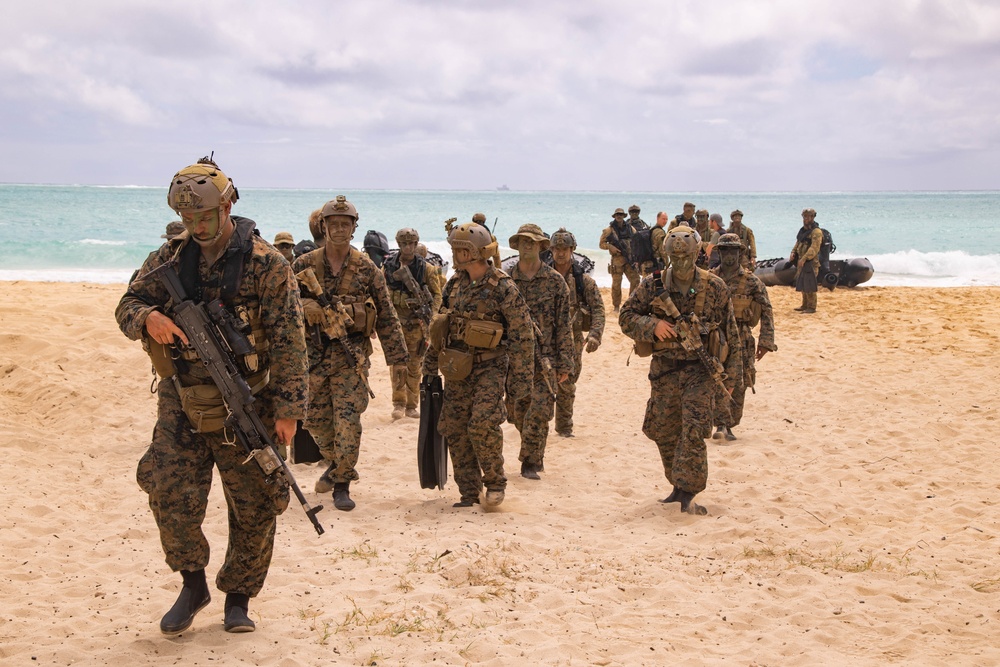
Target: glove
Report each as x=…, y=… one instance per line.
x=592, y=343
x=314, y=312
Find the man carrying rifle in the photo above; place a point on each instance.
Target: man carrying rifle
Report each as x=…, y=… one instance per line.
x=217, y=257
x=683, y=317
x=617, y=240
x=415, y=293
x=547, y=296
x=352, y=304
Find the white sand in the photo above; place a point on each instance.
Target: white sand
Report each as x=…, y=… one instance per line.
x=852, y=522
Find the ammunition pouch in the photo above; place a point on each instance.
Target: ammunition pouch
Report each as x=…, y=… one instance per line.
x=160, y=355
x=586, y=319
x=644, y=348
x=484, y=334
x=746, y=310
x=204, y=406
x=717, y=345
x=455, y=364
x=363, y=313
x=439, y=330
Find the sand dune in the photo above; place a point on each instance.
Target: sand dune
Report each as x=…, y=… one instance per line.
x=853, y=522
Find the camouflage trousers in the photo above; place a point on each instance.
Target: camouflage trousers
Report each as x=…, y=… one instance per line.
x=566, y=392
x=176, y=472
x=677, y=413
x=531, y=415
x=336, y=402
x=730, y=413
x=616, y=281
x=406, y=377
x=471, y=415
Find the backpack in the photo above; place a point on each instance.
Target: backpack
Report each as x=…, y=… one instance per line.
x=376, y=246
x=642, y=246
x=826, y=249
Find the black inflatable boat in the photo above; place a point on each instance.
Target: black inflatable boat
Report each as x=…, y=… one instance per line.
x=842, y=272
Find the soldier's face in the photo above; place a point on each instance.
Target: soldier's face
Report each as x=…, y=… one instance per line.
x=460, y=257
x=682, y=263
x=807, y=218
x=562, y=255
x=339, y=229
x=407, y=251
x=730, y=257
x=738, y=218
x=528, y=248
x=688, y=211
x=286, y=250
x=634, y=215
x=619, y=218
x=204, y=226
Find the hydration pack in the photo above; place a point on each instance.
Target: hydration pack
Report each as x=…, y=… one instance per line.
x=376, y=246
x=642, y=246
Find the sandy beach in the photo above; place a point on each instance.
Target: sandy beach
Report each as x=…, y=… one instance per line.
x=852, y=522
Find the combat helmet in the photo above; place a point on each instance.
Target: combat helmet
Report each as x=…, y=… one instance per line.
x=200, y=186
x=682, y=240
x=407, y=235
x=563, y=239
x=339, y=206
x=473, y=237
x=735, y=213
x=729, y=241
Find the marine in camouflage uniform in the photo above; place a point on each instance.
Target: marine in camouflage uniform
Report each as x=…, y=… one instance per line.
x=679, y=409
x=586, y=308
x=473, y=408
x=338, y=392
x=406, y=378
x=805, y=255
x=218, y=256
x=548, y=299
x=750, y=306
x=620, y=233
x=749, y=257
x=687, y=218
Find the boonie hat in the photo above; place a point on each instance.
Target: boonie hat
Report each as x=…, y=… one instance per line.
x=530, y=231
x=173, y=229
x=284, y=238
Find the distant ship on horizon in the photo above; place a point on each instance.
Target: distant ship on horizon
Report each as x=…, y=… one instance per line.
x=503, y=188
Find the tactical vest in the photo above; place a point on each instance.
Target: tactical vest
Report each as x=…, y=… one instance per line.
x=398, y=293
x=746, y=310
x=361, y=307
x=581, y=298
x=699, y=284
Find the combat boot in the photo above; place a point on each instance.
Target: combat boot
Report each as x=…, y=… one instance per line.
x=688, y=505
x=719, y=432
x=729, y=434
x=413, y=413
x=466, y=502
x=672, y=498
x=494, y=497
x=325, y=483
x=193, y=598
x=237, y=620
x=397, y=412
x=342, y=497
x=529, y=471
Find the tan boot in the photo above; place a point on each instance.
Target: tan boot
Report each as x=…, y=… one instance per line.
x=397, y=412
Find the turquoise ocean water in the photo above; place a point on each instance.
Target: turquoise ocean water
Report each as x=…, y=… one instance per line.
x=102, y=233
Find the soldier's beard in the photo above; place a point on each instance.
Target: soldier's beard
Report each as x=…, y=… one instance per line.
x=730, y=259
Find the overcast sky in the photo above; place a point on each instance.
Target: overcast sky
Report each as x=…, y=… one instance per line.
x=547, y=94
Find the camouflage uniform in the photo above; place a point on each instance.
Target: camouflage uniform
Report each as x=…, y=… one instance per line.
x=748, y=257
x=473, y=408
x=548, y=300
x=594, y=304
x=406, y=378
x=337, y=396
x=176, y=470
x=808, y=242
x=619, y=263
x=744, y=289
x=679, y=409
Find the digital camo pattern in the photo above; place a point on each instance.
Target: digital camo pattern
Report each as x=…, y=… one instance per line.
x=745, y=284
x=679, y=410
x=338, y=397
x=473, y=409
x=619, y=266
x=406, y=377
x=548, y=299
x=566, y=392
x=176, y=470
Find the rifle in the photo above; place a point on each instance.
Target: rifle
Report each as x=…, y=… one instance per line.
x=542, y=361
x=421, y=302
x=625, y=250
x=688, y=328
x=217, y=340
x=337, y=322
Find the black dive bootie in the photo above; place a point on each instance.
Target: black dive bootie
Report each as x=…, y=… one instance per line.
x=193, y=598
x=237, y=620
x=688, y=505
x=342, y=496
